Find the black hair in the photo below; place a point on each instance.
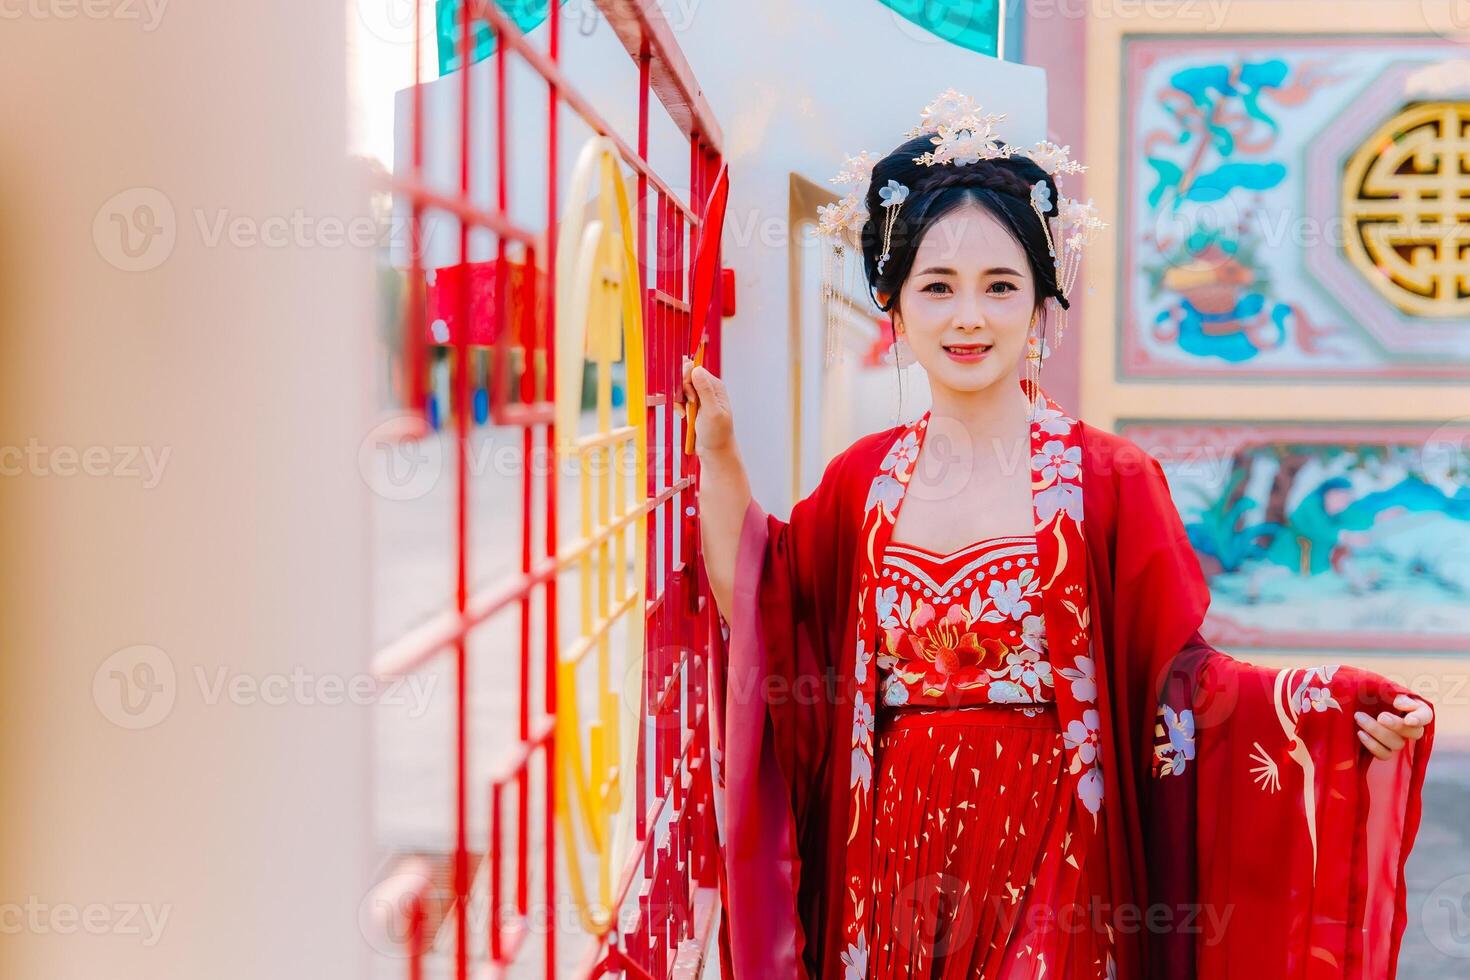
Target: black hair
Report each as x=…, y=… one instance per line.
x=1000, y=185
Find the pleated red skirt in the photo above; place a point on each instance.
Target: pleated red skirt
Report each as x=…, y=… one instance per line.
x=964, y=802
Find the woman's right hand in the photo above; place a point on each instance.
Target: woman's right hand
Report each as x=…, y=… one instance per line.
x=723, y=491
x=714, y=426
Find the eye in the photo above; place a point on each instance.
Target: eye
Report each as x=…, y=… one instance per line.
x=934, y=287
x=1005, y=287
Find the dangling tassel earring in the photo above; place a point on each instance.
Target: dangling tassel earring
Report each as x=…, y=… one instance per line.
x=903, y=354
x=893, y=195
x=1061, y=324
x=1035, y=356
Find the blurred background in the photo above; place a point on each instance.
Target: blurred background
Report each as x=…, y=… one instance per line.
x=352, y=617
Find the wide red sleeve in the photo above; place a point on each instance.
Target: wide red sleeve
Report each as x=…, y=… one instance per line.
x=1273, y=843
x=1148, y=599
x=1273, y=823
x=799, y=577
x=1160, y=594
x=773, y=703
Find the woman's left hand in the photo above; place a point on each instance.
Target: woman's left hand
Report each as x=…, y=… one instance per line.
x=1389, y=732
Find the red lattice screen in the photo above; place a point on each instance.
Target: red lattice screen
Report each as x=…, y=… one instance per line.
x=499, y=319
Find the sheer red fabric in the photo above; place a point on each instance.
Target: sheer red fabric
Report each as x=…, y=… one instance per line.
x=1270, y=822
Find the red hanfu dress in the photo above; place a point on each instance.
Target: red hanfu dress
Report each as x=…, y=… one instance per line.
x=1204, y=817
x=968, y=758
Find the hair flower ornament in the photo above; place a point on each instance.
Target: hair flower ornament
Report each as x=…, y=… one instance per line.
x=844, y=220
x=1054, y=159
x=960, y=134
x=892, y=194
x=1041, y=203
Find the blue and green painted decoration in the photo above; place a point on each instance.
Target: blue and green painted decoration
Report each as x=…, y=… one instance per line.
x=1328, y=536
x=972, y=24
x=527, y=14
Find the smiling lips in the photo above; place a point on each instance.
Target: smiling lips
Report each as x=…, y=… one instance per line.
x=967, y=352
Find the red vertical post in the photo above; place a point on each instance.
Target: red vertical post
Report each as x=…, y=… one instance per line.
x=552, y=634
x=412, y=362
x=460, y=380
x=416, y=936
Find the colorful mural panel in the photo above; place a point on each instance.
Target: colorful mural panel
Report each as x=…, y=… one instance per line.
x=1325, y=535
x=1290, y=209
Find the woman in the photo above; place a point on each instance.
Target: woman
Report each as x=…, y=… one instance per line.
x=967, y=726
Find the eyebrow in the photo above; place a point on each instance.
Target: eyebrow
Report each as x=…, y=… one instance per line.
x=944, y=270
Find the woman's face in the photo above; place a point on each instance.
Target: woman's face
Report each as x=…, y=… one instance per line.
x=967, y=304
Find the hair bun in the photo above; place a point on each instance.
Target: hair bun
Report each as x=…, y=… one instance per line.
x=987, y=174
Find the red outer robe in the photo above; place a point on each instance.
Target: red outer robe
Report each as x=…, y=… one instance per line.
x=782, y=721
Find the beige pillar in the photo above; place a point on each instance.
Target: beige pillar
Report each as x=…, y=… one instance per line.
x=184, y=337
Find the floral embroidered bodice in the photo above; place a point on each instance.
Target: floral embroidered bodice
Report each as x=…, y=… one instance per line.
x=964, y=628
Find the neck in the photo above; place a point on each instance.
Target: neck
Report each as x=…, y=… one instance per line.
x=998, y=411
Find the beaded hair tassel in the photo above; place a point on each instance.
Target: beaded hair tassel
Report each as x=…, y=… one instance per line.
x=841, y=226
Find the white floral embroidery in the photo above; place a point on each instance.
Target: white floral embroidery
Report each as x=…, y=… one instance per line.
x=1056, y=459
x=887, y=599
x=1319, y=699
x=886, y=491
x=1084, y=683
x=1081, y=736
x=862, y=729
x=1059, y=497
x=1033, y=633
x=855, y=959
x=1309, y=696
x=1025, y=667
x=1008, y=692
x=1090, y=789
x=902, y=456
x=1007, y=599
x=1051, y=421
x=1174, y=757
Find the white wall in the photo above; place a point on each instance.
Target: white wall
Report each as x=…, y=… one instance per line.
x=794, y=86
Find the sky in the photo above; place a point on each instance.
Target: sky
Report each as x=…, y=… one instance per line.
x=379, y=63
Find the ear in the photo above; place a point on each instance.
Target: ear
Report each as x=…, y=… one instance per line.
x=893, y=313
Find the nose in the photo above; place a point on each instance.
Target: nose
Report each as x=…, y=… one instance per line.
x=969, y=313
